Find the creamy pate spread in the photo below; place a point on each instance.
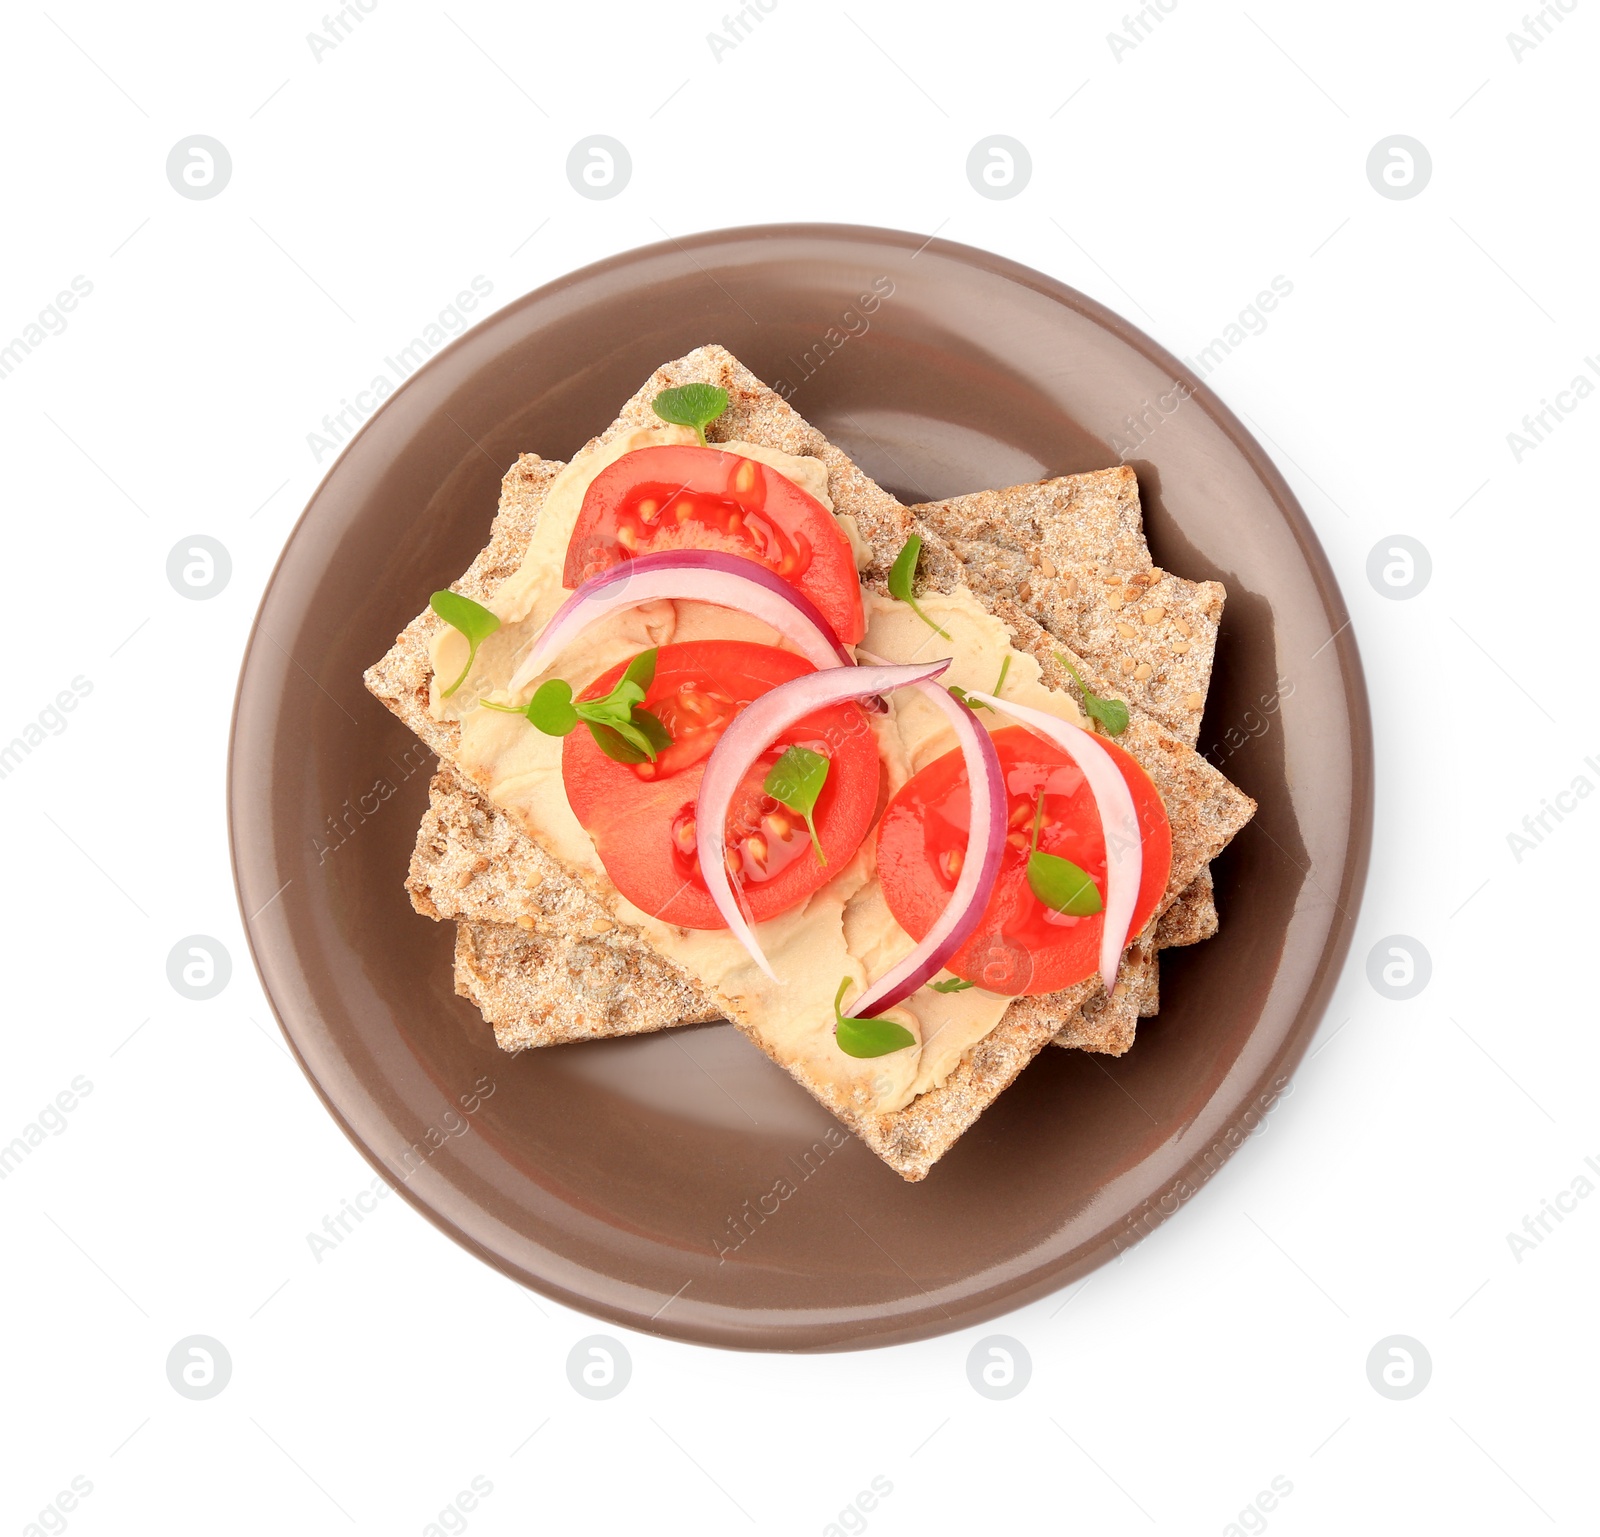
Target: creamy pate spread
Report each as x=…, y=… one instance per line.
x=845, y=928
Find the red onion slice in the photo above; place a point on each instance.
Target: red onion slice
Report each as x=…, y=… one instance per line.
x=702, y=576
x=1119, y=822
x=753, y=730
x=986, y=841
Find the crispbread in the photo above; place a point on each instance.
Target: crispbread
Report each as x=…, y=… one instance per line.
x=473, y=865
x=1206, y=810
x=544, y=990
x=1192, y=917
x=1071, y=552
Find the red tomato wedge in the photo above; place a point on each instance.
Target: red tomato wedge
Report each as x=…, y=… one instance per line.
x=684, y=497
x=1020, y=947
x=641, y=816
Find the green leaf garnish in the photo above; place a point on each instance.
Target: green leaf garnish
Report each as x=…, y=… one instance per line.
x=620, y=725
x=633, y=740
x=867, y=1037
x=951, y=985
x=551, y=710
x=641, y=671
x=795, y=781
x=691, y=405
x=901, y=575
x=1111, y=713
x=1000, y=682
x=1057, y=882
x=472, y=619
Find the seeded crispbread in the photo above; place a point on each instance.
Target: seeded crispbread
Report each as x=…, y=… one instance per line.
x=578, y=975
x=1071, y=552
x=1205, y=809
x=472, y=863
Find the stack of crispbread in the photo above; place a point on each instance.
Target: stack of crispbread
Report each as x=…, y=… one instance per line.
x=1063, y=562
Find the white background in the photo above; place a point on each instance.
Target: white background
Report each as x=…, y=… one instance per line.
x=1172, y=180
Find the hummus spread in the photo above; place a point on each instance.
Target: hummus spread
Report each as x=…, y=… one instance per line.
x=844, y=928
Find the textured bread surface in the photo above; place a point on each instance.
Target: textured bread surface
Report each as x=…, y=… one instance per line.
x=1204, y=809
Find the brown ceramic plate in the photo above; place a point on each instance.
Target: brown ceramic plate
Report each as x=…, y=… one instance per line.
x=635, y=1179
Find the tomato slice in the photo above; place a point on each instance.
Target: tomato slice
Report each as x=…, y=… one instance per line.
x=1020, y=947
x=641, y=816
x=684, y=497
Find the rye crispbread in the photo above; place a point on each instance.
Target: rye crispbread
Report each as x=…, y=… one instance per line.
x=1205, y=809
x=584, y=977
x=470, y=863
